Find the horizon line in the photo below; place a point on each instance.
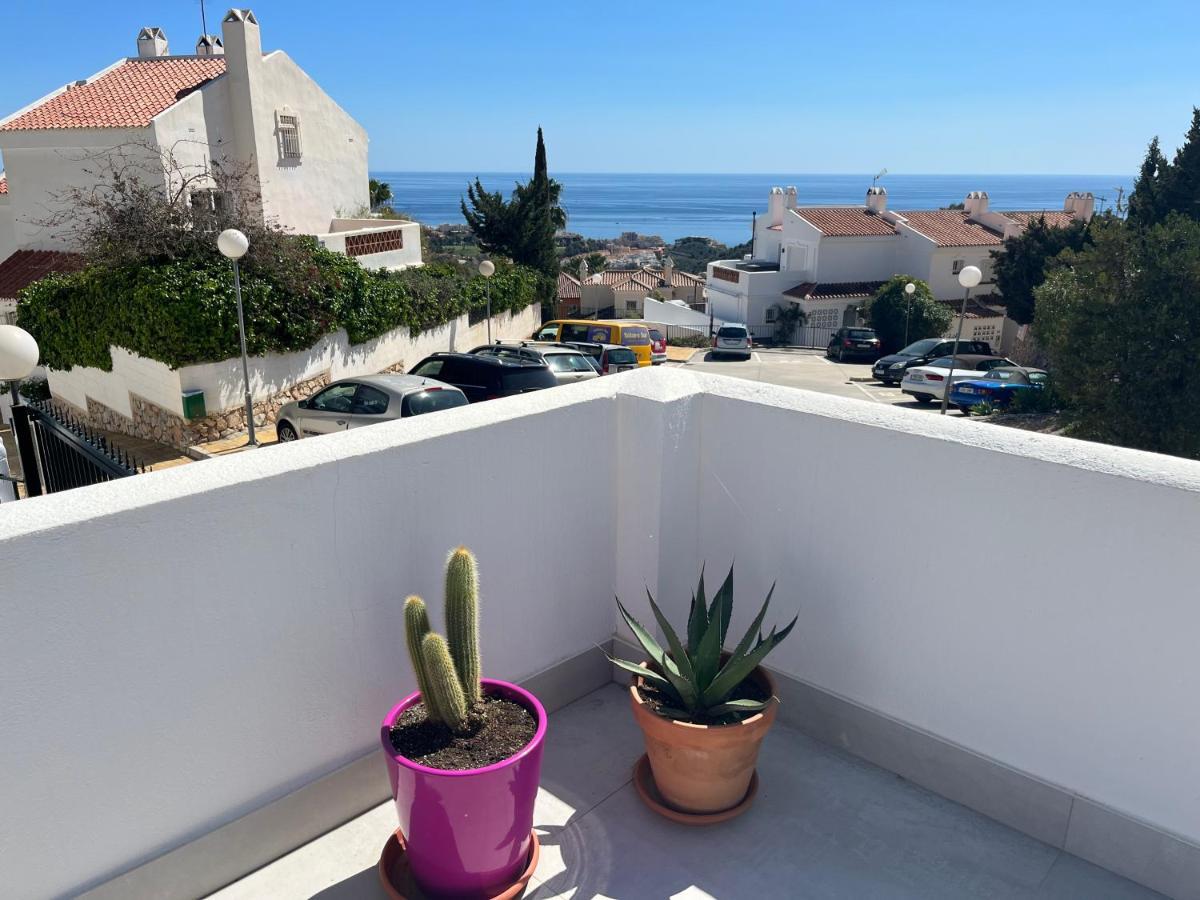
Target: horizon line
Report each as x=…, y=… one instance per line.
x=764, y=174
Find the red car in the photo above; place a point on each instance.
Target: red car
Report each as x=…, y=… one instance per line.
x=658, y=347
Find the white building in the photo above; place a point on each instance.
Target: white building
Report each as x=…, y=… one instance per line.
x=226, y=103
x=621, y=293
x=831, y=259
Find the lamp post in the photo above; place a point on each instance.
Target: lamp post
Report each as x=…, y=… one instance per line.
x=233, y=245
x=909, y=290
x=18, y=358
x=487, y=269
x=968, y=278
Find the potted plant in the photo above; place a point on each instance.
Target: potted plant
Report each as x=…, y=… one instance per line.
x=464, y=755
x=703, y=711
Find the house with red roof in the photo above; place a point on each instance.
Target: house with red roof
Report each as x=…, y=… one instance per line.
x=830, y=260
x=225, y=103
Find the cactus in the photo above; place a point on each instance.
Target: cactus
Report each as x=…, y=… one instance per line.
x=416, y=626
x=444, y=702
x=462, y=620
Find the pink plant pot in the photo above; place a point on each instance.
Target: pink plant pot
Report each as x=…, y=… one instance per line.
x=468, y=832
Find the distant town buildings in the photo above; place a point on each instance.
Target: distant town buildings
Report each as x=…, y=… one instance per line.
x=224, y=104
x=831, y=259
x=621, y=293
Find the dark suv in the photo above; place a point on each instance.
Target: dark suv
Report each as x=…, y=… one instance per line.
x=848, y=343
x=485, y=377
x=890, y=369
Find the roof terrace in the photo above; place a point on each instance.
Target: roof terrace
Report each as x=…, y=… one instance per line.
x=198, y=660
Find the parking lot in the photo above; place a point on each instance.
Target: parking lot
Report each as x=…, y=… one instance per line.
x=808, y=369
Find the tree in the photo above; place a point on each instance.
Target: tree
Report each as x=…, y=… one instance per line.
x=788, y=317
x=1162, y=187
x=891, y=312
x=522, y=227
x=1120, y=323
x=1146, y=201
x=1021, y=264
x=380, y=191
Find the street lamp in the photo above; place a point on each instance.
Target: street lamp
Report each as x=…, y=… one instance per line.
x=233, y=245
x=909, y=290
x=18, y=358
x=487, y=269
x=968, y=278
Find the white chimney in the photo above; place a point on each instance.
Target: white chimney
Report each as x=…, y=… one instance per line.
x=1081, y=206
x=243, y=68
x=775, y=207
x=877, y=199
x=789, y=194
x=668, y=269
x=152, y=43
x=209, y=45
x=976, y=203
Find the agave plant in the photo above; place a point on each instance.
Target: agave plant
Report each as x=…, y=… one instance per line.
x=691, y=679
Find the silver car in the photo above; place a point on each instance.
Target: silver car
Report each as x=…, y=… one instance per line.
x=354, y=402
x=732, y=340
x=567, y=364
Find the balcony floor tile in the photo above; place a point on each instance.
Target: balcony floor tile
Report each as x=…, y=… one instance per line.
x=824, y=825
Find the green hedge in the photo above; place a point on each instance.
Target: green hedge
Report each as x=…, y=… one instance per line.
x=183, y=312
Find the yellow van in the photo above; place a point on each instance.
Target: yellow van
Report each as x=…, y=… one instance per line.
x=599, y=331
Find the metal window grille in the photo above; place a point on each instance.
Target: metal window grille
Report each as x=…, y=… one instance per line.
x=289, y=136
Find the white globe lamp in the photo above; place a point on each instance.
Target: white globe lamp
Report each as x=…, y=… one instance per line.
x=970, y=276
x=910, y=289
x=487, y=268
x=18, y=353
x=232, y=243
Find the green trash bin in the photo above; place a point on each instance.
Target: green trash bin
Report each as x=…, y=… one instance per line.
x=193, y=405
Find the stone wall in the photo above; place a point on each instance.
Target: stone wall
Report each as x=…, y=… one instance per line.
x=233, y=421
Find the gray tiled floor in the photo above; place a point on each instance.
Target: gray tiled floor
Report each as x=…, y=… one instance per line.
x=825, y=825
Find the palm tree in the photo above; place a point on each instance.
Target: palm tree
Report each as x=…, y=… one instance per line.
x=380, y=191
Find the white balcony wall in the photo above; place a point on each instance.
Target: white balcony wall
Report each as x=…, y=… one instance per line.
x=406, y=257
x=183, y=647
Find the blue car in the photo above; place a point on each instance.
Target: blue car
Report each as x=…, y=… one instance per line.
x=998, y=388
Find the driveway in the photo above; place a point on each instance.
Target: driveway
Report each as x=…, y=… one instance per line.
x=808, y=369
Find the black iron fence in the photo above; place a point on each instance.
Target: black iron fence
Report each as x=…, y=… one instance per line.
x=59, y=452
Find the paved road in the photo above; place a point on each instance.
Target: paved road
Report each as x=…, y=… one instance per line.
x=807, y=369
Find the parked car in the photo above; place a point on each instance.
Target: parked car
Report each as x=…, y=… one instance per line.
x=354, y=402
x=928, y=383
x=732, y=340
x=567, y=363
x=998, y=387
x=849, y=343
x=890, y=369
x=608, y=358
x=658, y=346
x=485, y=376
x=599, y=331
x=8, y=487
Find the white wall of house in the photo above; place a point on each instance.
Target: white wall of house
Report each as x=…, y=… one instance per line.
x=407, y=256
x=8, y=235
x=221, y=381
x=1077, y=666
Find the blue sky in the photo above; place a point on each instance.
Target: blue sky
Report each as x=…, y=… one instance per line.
x=760, y=86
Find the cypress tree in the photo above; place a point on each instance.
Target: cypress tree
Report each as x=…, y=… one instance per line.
x=1182, y=192
x=1146, y=201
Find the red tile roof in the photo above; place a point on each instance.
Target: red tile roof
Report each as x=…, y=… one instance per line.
x=568, y=286
x=637, y=281
x=976, y=309
x=1055, y=218
x=843, y=290
x=950, y=228
x=3, y=184
x=25, y=267
x=645, y=277
x=128, y=96
x=846, y=221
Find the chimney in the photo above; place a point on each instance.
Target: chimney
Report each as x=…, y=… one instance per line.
x=668, y=270
x=1081, y=206
x=152, y=43
x=243, y=69
x=209, y=45
x=789, y=194
x=775, y=206
x=976, y=204
x=877, y=199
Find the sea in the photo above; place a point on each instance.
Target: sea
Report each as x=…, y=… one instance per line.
x=720, y=206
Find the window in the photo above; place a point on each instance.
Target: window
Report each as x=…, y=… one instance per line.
x=548, y=333
x=431, y=368
x=431, y=401
x=208, y=200
x=370, y=401
x=577, y=333
x=338, y=398
x=631, y=306
x=288, y=126
x=772, y=314
x=957, y=266
x=620, y=356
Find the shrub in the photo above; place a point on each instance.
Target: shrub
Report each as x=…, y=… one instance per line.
x=183, y=311
x=692, y=340
x=890, y=309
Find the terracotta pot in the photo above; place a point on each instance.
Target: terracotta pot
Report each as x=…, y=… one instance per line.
x=703, y=768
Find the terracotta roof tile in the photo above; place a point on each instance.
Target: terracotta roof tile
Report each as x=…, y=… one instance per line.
x=950, y=228
x=25, y=267
x=568, y=286
x=976, y=309
x=845, y=221
x=839, y=290
x=128, y=96
x=1055, y=218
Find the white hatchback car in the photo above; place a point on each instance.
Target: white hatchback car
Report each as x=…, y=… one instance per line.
x=732, y=340
x=928, y=383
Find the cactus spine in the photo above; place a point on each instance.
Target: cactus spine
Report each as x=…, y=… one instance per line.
x=462, y=620
x=445, y=701
x=416, y=626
